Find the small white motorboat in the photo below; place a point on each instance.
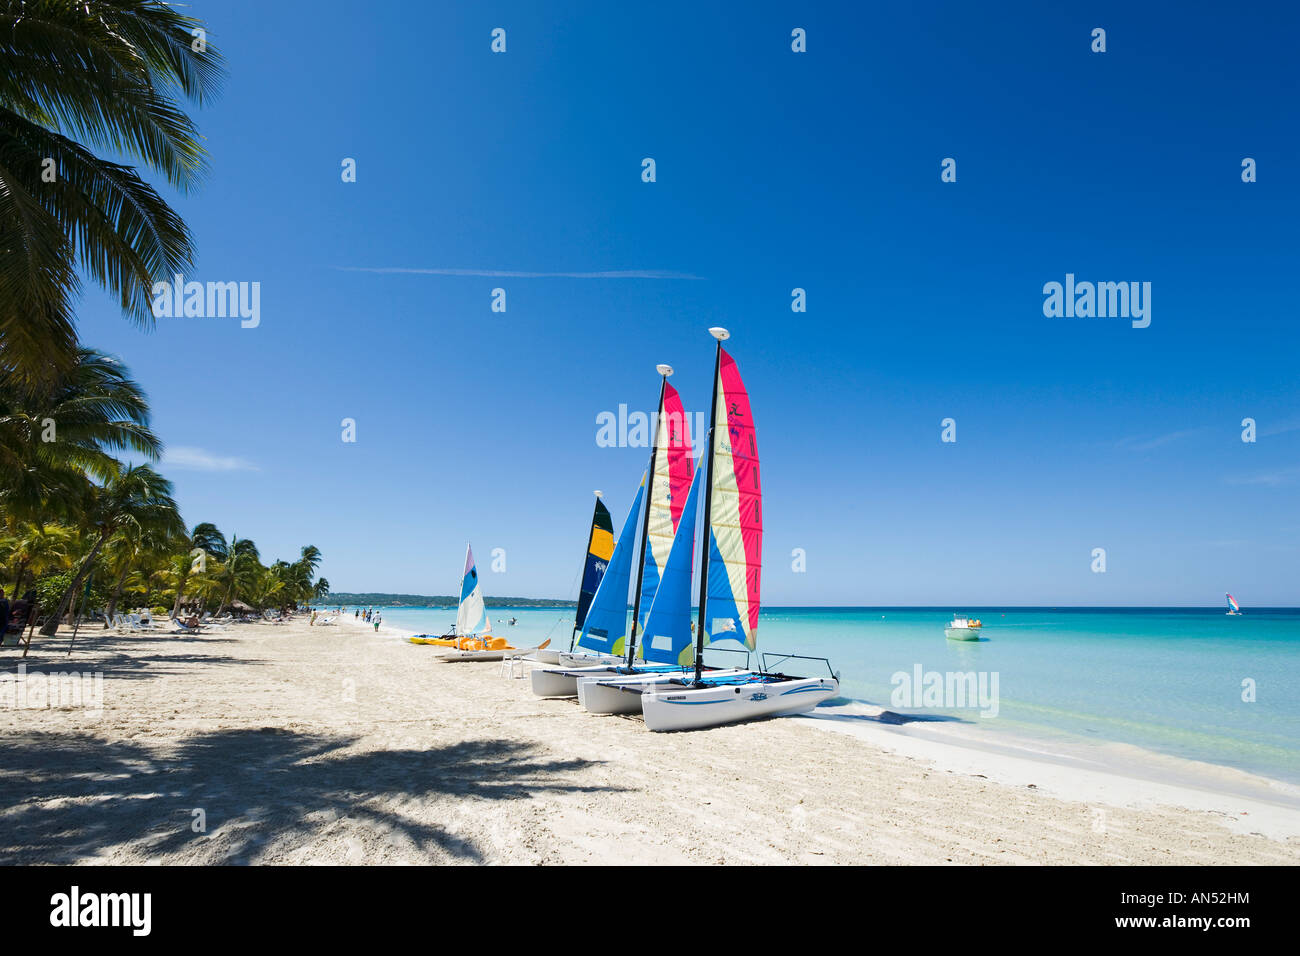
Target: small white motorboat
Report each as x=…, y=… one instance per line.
x=963, y=629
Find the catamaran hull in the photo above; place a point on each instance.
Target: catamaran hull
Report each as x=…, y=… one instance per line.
x=563, y=682
x=596, y=698
x=548, y=656
x=961, y=633
x=688, y=708
x=588, y=660
x=497, y=654
x=622, y=695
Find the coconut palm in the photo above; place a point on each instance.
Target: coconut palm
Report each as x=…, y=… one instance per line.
x=239, y=571
x=126, y=554
x=210, y=540
x=37, y=548
x=267, y=588
x=52, y=437
x=112, y=74
x=134, y=497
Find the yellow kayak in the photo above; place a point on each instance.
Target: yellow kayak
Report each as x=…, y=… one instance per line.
x=435, y=641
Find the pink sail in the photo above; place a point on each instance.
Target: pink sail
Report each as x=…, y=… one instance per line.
x=735, y=515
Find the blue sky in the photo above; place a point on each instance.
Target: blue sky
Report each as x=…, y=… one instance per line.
x=775, y=170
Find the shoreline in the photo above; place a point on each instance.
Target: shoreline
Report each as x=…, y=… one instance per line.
x=1110, y=773
x=338, y=745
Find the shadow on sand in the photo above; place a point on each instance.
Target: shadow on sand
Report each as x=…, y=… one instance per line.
x=884, y=717
x=64, y=798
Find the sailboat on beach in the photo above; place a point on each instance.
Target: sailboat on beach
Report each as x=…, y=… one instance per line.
x=730, y=578
x=595, y=561
x=471, y=637
x=606, y=641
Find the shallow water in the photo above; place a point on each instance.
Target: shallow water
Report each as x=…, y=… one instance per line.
x=1169, y=680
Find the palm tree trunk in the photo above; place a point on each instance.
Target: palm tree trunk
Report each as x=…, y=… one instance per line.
x=226, y=600
x=180, y=597
x=22, y=573
x=117, y=593
x=52, y=623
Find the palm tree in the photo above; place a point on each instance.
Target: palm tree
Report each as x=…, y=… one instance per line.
x=50, y=438
x=240, y=569
x=128, y=552
x=37, y=548
x=114, y=74
x=267, y=587
x=134, y=497
x=207, y=537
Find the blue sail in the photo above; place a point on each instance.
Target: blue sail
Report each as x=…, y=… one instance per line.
x=668, y=638
x=605, y=629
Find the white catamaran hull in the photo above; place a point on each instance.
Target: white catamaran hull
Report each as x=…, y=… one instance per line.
x=688, y=708
x=961, y=633
x=563, y=681
x=571, y=659
x=605, y=695
x=548, y=656
x=453, y=656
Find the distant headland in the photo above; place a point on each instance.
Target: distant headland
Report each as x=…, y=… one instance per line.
x=434, y=600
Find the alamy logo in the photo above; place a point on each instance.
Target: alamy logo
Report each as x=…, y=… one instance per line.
x=1102, y=300
x=41, y=690
x=633, y=430
x=74, y=909
x=953, y=690
x=213, y=300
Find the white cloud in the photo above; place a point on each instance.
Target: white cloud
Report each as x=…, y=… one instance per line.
x=180, y=456
x=1278, y=476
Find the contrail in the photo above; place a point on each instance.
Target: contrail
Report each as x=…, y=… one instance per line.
x=510, y=274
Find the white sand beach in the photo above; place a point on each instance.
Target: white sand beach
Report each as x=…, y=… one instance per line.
x=297, y=744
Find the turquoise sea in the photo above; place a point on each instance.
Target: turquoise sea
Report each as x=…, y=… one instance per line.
x=1171, y=680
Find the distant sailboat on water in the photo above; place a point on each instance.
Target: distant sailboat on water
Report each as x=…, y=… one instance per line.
x=1234, y=609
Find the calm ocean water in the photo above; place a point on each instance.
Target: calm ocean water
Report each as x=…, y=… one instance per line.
x=1168, y=680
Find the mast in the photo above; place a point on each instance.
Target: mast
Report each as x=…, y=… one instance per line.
x=573, y=635
x=721, y=335
x=664, y=371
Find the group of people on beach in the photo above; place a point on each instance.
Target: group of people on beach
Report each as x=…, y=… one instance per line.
x=13, y=617
x=369, y=615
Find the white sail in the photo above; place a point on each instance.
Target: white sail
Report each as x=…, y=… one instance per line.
x=471, y=616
